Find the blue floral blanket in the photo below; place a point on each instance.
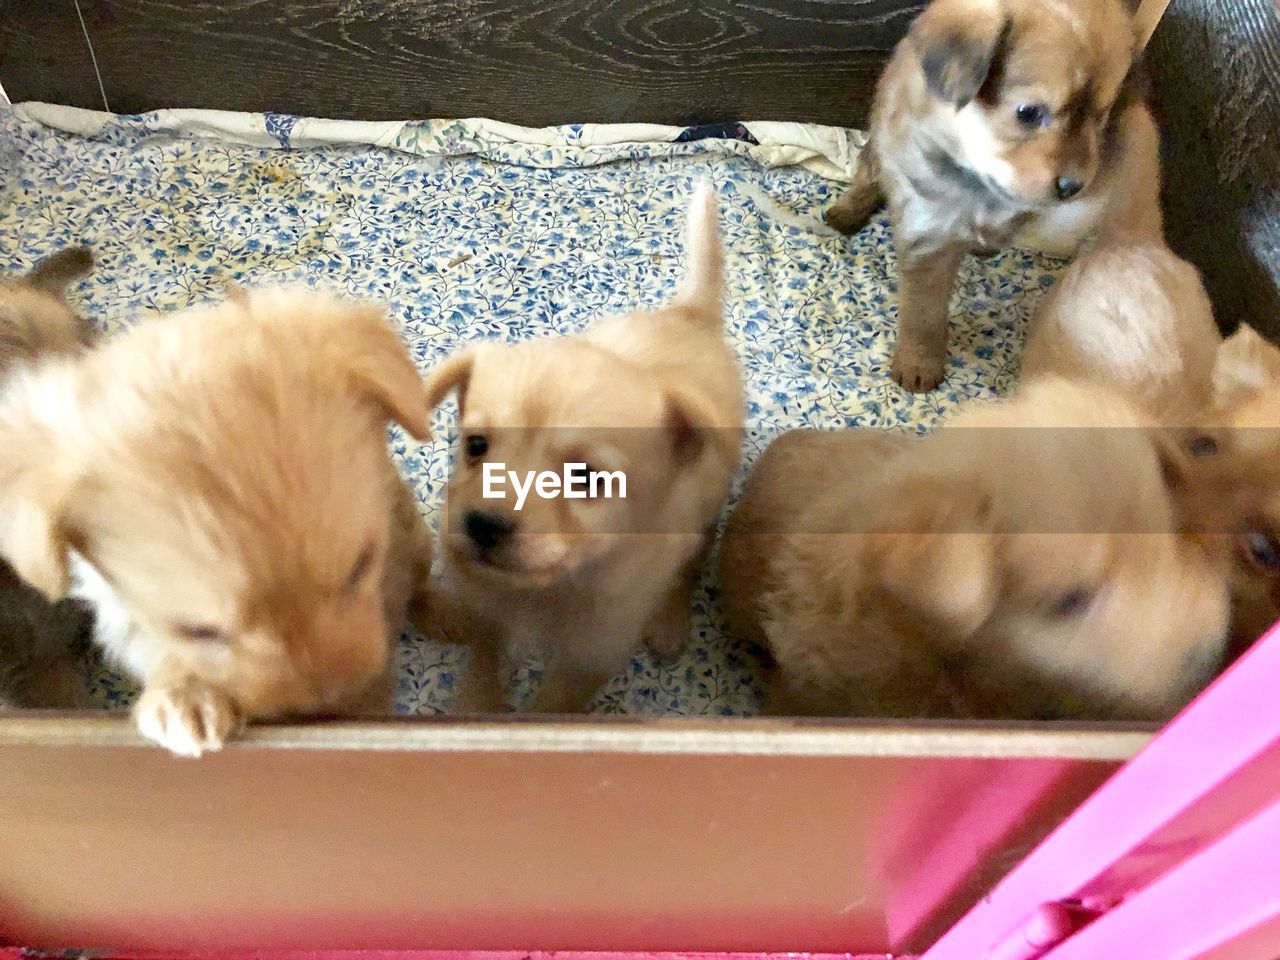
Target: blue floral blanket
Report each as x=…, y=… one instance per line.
x=471, y=229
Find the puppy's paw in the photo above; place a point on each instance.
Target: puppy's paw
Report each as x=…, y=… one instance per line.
x=916, y=371
x=186, y=717
x=666, y=649
x=847, y=218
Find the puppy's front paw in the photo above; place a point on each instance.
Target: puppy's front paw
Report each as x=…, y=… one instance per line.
x=917, y=372
x=846, y=218
x=187, y=717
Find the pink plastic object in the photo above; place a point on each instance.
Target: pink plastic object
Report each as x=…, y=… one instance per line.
x=1178, y=849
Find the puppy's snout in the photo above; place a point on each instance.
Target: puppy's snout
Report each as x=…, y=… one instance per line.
x=488, y=530
x=1067, y=186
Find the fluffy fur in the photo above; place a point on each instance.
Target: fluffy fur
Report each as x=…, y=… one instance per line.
x=1135, y=318
x=1004, y=567
x=1244, y=431
x=217, y=484
x=656, y=395
x=39, y=639
x=998, y=122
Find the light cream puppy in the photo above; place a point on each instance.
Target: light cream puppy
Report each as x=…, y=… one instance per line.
x=1009, y=566
x=1133, y=317
x=655, y=397
x=217, y=484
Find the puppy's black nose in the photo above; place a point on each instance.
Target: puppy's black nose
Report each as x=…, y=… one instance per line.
x=1067, y=187
x=487, y=530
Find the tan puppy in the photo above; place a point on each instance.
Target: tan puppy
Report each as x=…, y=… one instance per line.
x=1135, y=318
x=1004, y=567
x=1247, y=387
x=217, y=484
x=999, y=122
x=655, y=397
x=38, y=639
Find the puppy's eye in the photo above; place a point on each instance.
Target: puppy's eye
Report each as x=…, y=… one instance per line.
x=1263, y=550
x=581, y=473
x=359, y=569
x=1032, y=115
x=200, y=633
x=477, y=445
x=1202, y=445
x=1072, y=603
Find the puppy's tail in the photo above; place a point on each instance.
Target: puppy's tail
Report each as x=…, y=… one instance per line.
x=703, y=285
x=52, y=274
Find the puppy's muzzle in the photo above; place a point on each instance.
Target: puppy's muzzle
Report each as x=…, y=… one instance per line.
x=488, y=531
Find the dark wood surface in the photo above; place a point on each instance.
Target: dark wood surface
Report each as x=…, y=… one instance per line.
x=523, y=61
x=1216, y=67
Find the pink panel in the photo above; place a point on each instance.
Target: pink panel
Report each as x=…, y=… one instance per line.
x=15, y=953
x=1213, y=766
x=1205, y=907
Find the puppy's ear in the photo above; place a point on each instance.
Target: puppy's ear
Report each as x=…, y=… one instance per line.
x=452, y=373
x=1246, y=364
x=34, y=492
x=54, y=273
x=937, y=554
x=379, y=366
x=690, y=422
x=960, y=43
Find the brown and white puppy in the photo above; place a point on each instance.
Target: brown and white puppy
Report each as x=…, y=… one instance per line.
x=1010, y=566
x=39, y=639
x=217, y=484
x=999, y=122
x=1133, y=317
x=655, y=397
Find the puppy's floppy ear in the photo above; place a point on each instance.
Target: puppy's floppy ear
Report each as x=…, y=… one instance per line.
x=1246, y=364
x=452, y=373
x=35, y=488
x=691, y=424
x=935, y=553
x=378, y=365
x=959, y=43
x=54, y=273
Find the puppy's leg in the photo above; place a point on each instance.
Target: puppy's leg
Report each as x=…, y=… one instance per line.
x=924, y=291
x=567, y=687
x=185, y=715
x=668, y=629
x=851, y=212
x=443, y=619
x=483, y=689
x=379, y=698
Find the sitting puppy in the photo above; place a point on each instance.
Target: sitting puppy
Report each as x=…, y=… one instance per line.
x=1001, y=568
x=650, y=399
x=39, y=639
x=1135, y=318
x=217, y=484
x=998, y=122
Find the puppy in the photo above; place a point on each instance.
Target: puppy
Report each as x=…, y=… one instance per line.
x=1244, y=429
x=1135, y=318
x=652, y=397
x=217, y=484
x=1003, y=567
x=39, y=639
x=999, y=122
